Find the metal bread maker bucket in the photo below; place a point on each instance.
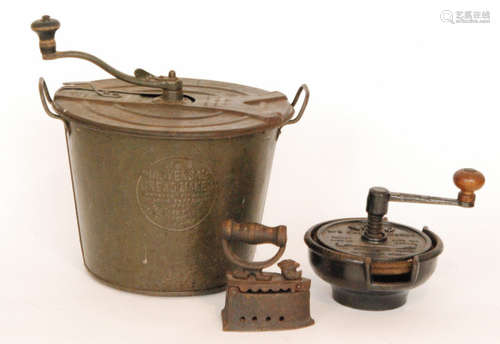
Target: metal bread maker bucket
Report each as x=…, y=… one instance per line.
x=157, y=165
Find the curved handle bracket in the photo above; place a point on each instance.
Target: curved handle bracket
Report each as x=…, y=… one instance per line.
x=305, y=89
x=258, y=266
x=46, y=98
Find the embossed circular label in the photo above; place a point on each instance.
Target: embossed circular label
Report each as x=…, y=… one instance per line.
x=176, y=193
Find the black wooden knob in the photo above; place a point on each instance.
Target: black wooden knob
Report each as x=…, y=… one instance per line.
x=46, y=29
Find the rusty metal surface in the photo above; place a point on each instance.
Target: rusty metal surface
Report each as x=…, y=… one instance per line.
x=157, y=164
x=258, y=300
x=372, y=263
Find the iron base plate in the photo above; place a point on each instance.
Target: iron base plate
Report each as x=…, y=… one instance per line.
x=265, y=311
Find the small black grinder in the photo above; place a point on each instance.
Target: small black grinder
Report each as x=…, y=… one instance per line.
x=372, y=263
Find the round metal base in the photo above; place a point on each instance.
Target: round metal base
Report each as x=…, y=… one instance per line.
x=158, y=293
x=370, y=300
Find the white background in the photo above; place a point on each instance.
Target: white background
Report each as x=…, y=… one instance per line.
x=398, y=99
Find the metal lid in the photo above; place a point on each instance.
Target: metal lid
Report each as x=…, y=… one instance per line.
x=162, y=105
x=205, y=109
x=345, y=236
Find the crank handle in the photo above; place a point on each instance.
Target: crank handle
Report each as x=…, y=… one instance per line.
x=467, y=180
x=46, y=28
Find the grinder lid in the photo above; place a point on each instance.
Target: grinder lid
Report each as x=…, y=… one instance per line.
x=206, y=108
x=345, y=235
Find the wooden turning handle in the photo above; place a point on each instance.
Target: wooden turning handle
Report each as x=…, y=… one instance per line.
x=254, y=233
x=46, y=29
x=468, y=180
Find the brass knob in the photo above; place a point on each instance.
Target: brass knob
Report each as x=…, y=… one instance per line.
x=46, y=29
x=468, y=180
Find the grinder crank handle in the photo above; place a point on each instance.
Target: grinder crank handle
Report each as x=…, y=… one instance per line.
x=467, y=180
x=252, y=233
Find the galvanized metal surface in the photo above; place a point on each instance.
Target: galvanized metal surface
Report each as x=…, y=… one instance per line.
x=258, y=300
x=150, y=210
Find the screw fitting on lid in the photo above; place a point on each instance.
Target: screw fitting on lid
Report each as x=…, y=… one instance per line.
x=376, y=206
x=173, y=90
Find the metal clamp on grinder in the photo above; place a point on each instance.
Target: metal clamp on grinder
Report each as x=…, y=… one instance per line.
x=370, y=262
x=263, y=301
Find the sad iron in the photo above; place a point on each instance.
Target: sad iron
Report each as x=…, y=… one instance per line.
x=258, y=300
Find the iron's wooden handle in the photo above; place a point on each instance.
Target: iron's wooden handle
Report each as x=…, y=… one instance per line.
x=468, y=181
x=46, y=29
x=254, y=233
